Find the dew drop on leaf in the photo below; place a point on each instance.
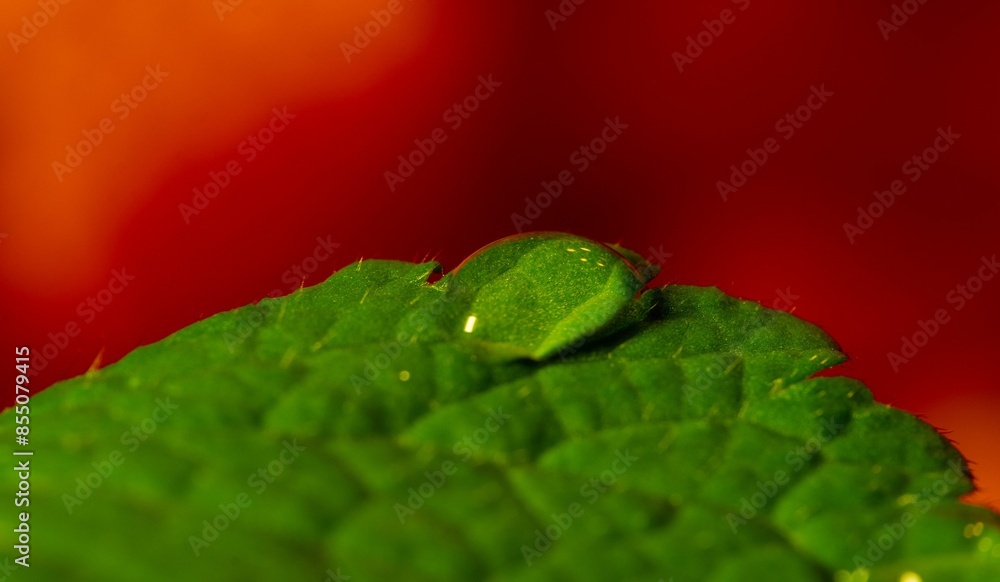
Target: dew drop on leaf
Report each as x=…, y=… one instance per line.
x=534, y=294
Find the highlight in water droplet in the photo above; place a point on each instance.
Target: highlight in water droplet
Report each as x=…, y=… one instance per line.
x=973, y=529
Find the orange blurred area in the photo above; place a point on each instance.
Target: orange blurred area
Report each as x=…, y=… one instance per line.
x=153, y=86
x=966, y=417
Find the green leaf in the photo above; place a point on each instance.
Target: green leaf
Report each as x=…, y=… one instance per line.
x=535, y=414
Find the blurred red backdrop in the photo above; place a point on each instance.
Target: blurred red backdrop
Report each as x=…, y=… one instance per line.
x=170, y=97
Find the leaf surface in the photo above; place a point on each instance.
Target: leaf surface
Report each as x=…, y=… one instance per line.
x=581, y=427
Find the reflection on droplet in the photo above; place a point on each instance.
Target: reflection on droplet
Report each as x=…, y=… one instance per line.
x=404, y=375
x=985, y=544
x=973, y=529
x=910, y=577
x=470, y=324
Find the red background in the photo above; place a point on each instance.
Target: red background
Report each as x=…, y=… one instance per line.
x=654, y=187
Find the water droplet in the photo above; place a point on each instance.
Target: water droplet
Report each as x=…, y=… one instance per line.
x=470, y=324
x=404, y=375
x=529, y=296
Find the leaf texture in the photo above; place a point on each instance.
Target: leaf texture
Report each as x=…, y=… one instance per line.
x=536, y=414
